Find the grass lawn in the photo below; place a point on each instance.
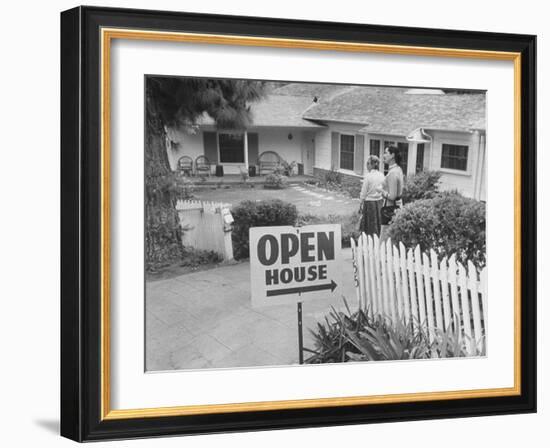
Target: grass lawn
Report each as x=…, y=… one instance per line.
x=308, y=199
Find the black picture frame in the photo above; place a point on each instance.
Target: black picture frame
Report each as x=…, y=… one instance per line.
x=81, y=225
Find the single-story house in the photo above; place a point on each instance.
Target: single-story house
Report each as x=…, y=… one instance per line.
x=335, y=127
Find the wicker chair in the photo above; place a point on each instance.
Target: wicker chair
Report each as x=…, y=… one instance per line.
x=185, y=166
x=202, y=165
x=268, y=161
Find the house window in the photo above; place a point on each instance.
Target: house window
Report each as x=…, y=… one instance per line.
x=375, y=148
x=231, y=147
x=347, y=150
x=454, y=157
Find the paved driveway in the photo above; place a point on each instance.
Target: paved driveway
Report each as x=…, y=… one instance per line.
x=205, y=320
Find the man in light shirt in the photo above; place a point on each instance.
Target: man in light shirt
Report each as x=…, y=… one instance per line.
x=392, y=187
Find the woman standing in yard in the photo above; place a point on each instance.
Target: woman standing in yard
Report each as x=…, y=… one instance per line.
x=371, y=198
x=392, y=188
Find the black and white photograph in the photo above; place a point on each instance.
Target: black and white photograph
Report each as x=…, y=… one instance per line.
x=297, y=223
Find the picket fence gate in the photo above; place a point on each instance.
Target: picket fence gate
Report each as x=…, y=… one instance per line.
x=413, y=286
x=204, y=227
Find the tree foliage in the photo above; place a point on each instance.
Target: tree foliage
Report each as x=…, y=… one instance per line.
x=180, y=102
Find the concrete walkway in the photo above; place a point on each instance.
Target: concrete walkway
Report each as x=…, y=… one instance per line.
x=205, y=320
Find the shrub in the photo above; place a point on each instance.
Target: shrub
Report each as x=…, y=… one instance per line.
x=259, y=214
x=276, y=181
x=244, y=175
x=279, y=169
x=194, y=258
x=333, y=177
x=423, y=185
x=285, y=168
x=171, y=184
x=333, y=181
x=449, y=223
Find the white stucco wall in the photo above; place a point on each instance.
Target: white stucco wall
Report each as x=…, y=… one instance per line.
x=276, y=139
x=269, y=139
x=464, y=182
x=188, y=145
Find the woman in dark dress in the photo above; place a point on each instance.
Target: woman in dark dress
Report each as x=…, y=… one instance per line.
x=371, y=197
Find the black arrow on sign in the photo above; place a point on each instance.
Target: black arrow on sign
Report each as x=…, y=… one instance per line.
x=280, y=292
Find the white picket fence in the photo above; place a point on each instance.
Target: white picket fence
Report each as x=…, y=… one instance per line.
x=204, y=226
x=414, y=286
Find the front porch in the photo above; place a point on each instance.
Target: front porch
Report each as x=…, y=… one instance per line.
x=238, y=151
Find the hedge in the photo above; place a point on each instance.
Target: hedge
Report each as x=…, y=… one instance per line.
x=259, y=214
x=276, y=181
x=424, y=185
x=449, y=224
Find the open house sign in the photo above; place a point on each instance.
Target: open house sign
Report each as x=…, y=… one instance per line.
x=294, y=264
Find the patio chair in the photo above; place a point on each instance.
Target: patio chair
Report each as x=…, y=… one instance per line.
x=202, y=165
x=185, y=166
x=268, y=161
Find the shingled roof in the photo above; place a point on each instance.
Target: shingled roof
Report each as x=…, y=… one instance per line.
x=276, y=110
x=391, y=110
x=321, y=91
x=382, y=110
x=282, y=111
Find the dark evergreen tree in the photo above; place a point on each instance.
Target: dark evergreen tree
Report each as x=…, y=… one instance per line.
x=180, y=102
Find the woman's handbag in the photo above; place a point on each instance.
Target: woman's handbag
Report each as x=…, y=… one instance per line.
x=387, y=212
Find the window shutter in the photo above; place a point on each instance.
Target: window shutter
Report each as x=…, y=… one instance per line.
x=210, y=142
x=335, y=144
x=252, y=148
x=359, y=154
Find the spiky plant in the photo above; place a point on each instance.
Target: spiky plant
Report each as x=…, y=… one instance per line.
x=360, y=336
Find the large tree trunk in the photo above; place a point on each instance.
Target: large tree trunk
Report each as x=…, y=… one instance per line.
x=162, y=231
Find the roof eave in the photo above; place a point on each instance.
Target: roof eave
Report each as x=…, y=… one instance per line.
x=334, y=120
x=287, y=126
x=365, y=130
x=468, y=130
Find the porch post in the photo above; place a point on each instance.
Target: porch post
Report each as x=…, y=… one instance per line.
x=411, y=160
x=481, y=193
x=246, y=151
x=476, y=163
x=366, y=150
